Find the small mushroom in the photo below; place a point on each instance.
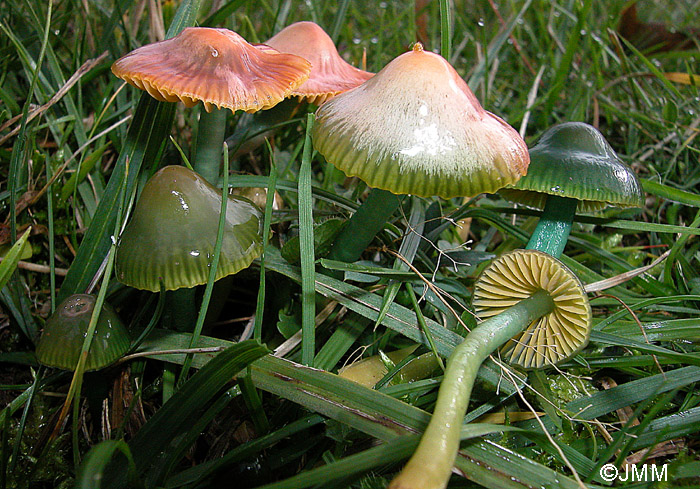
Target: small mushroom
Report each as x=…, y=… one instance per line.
x=549, y=296
x=414, y=128
x=62, y=339
x=330, y=73
x=172, y=233
x=215, y=66
x=572, y=167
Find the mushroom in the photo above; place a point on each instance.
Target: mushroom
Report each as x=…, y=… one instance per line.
x=62, y=339
x=172, y=233
x=525, y=290
x=572, y=167
x=220, y=69
x=215, y=66
x=330, y=73
x=414, y=128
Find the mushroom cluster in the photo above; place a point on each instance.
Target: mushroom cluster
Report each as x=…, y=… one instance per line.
x=222, y=70
x=171, y=236
x=413, y=128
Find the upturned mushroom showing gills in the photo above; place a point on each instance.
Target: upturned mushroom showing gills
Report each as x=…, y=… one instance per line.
x=215, y=66
x=330, y=73
x=415, y=128
x=530, y=291
x=572, y=167
x=172, y=234
x=62, y=339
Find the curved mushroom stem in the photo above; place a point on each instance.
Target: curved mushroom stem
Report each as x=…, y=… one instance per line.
x=364, y=225
x=554, y=226
x=210, y=139
x=431, y=464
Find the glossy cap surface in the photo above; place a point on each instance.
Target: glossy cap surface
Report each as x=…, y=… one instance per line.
x=216, y=66
x=416, y=128
x=574, y=160
x=554, y=337
x=330, y=73
x=172, y=234
x=64, y=332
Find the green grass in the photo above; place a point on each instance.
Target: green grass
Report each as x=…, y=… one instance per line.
x=533, y=63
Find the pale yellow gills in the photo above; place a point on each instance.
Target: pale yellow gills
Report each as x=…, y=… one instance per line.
x=554, y=337
x=416, y=128
x=215, y=66
x=330, y=73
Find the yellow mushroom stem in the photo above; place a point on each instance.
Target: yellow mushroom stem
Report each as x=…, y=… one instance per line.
x=432, y=462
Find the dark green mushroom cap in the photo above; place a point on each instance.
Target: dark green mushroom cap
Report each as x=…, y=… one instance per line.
x=574, y=160
x=64, y=332
x=172, y=234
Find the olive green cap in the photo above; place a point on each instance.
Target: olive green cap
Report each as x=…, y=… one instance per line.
x=574, y=160
x=172, y=234
x=555, y=336
x=61, y=341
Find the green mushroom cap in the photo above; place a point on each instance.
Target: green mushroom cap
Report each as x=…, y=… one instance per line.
x=64, y=332
x=172, y=234
x=574, y=160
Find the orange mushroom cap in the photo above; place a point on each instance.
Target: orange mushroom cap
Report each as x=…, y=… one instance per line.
x=330, y=73
x=216, y=66
x=416, y=128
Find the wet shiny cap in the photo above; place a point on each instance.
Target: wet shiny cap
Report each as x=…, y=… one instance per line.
x=416, y=128
x=64, y=332
x=172, y=234
x=555, y=336
x=574, y=160
x=330, y=73
x=216, y=66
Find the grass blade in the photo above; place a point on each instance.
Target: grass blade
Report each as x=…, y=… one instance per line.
x=306, y=247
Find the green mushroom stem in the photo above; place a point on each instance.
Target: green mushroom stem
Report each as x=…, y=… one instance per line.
x=554, y=226
x=534, y=305
x=431, y=464
x=364, y=225
x=210, y=140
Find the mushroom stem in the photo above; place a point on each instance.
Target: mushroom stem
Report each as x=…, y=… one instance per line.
x=431, y=464
x=252, y=129
x=554, y=226
x=210, y=139
x=364, y=225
